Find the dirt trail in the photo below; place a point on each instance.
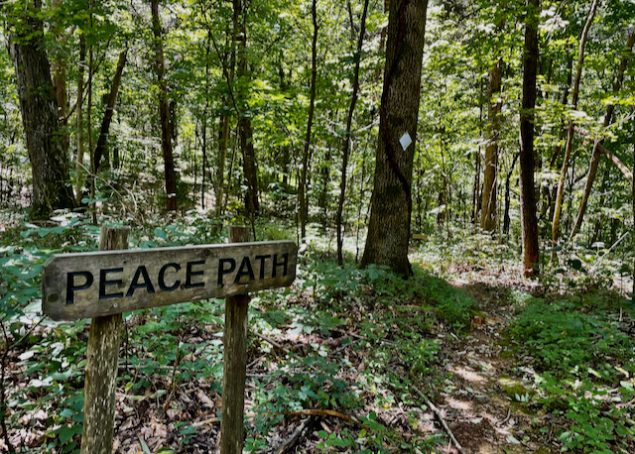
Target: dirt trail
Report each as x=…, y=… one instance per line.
x=475, y=401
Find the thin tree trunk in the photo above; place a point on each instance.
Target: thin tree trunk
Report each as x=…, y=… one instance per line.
x=346, y=145
x=632, y=232
x=89, y=116
x=52, y=188
x=608, y=118
x=391, y=203
x=102, y=140
x=164, y=109
x=490, y=168
x=303, y=203
x=80, y=171
x=250, y=170
x=575, y=91
x=476, y=189
x=59, y=77
x=506, y=218
x=529, y=220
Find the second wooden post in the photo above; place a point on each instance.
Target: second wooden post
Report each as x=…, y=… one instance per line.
x=235, y=361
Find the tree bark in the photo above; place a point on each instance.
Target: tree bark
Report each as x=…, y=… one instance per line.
x=608, y=118
x=80, y=170
x=164, y=109
x=391, y=202
x=102, y=140
x=303, y=202
x=529, y=220
x=490, y=168
x=250, y=170
x=575, y=91
x=346, y=145
x=52, y=188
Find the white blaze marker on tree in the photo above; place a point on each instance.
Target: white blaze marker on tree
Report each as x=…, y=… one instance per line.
x=405, y=141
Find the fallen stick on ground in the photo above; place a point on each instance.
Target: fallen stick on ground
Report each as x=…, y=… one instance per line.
x=322, y=412
x=439, y=416
x=298, y=433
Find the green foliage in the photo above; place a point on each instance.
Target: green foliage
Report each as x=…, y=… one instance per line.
x=581, y=355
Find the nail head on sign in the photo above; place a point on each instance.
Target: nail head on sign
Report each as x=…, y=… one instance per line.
x=405, y=141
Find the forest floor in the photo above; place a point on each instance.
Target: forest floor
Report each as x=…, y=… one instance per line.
x=346, y=360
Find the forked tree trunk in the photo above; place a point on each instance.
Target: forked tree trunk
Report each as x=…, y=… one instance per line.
x=391, y=202
x=303, y=198
x=346, y=145
x=608, y=118
x=575, y=91
x=164, y=110
x=44, y=139
x=529, y=220
x=490, y=168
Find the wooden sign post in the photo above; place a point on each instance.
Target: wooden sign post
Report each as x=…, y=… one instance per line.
x=102, y=358
x=235, y=362
x=102, y=285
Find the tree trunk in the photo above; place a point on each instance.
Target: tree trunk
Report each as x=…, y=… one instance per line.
x=476, y=189
x=346, y=145
x=608, y=118
x=250, y=171
x=391, y=201
x=102, y=140
x=303, y=202
x=80, y=170
x=164, y=109
x=555, y=225
x=59, y=76
x=531, y=247
x=506, y=218
x=52, y=188
x=632, y=233
x=490, y=168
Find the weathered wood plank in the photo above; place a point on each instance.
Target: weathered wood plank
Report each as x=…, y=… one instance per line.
x=235, y=363
x=104, y=283
x=102, y=356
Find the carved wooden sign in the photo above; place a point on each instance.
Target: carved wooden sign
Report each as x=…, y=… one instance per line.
x=95, y=284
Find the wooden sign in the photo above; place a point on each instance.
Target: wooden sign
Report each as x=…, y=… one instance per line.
x=95, y=284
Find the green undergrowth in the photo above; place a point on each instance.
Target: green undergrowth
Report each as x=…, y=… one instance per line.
x=352, y=340
x=581, y=352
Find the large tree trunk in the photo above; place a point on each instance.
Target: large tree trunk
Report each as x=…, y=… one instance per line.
x=346, y=145
x=391, y=202
x=303, y=199
x=490, y=168
x=250, y=170
x=44, y=139
x=531, y=247
x=575, y=91
x=102, y=140
x=608, y=118
x=164, y=109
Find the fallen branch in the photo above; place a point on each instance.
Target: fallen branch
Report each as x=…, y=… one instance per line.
x=271, y=341
x=295, y=437
x=322, y=412
x=439, y=416
x=205, y=422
